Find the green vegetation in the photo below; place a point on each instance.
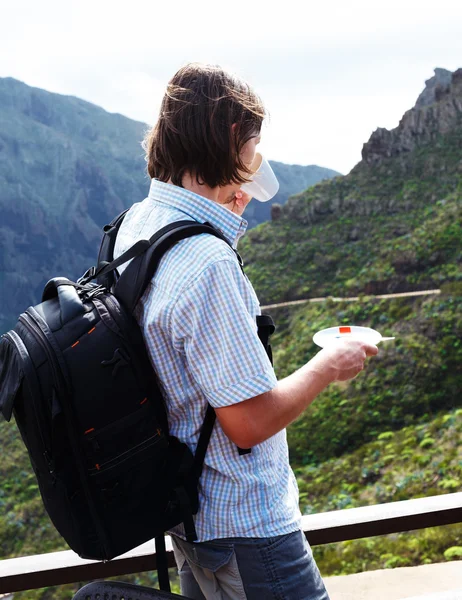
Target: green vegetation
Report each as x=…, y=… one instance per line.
x=388, y=470
x=454, y=552
x=387, y=552
x=391, y=468
x=419, y=249
x=414, y=377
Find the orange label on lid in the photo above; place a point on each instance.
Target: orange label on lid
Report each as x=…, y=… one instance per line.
x=345, y=329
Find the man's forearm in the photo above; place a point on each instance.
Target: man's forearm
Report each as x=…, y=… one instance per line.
x=257, y=419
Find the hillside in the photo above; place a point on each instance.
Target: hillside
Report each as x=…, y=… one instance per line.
x=414, y=462
x=67, y=167
x=412, y=379
x=393, y=224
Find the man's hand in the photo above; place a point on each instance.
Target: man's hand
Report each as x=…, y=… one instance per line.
x=234, y=200
x=343, y=359
x=240, y=202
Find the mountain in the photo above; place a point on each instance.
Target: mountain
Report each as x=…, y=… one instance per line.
x=391, y=225
x=67, y=167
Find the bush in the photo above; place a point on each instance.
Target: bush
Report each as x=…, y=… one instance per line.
x=427, y=443
x=453, y=553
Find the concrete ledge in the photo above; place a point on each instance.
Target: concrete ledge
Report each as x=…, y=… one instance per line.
x=438, y=581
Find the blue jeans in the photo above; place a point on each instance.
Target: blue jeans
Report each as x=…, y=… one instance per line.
x=276, y=568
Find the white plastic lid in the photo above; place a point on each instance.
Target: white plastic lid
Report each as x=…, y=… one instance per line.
x=263, y=185
x=327, y=336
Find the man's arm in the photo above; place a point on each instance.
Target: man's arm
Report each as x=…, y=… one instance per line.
x=254, y=420
x=212, y=327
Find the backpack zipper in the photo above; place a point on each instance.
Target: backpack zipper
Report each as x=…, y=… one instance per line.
x=113, y=462
x=32, y=381
x=29, y=322
x=31, y=325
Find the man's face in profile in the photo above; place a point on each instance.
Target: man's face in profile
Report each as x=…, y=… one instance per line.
x=227, y=195
x=249, y=149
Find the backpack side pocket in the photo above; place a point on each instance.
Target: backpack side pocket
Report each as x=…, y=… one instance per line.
x=11, y=376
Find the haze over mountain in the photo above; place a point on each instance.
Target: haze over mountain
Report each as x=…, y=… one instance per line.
x=67, y=167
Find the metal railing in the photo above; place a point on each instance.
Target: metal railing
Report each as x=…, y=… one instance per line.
x=57, y=568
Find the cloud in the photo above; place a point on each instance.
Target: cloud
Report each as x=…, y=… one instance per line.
x=329, y=72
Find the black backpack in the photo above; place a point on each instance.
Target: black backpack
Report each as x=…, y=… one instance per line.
x=76, y=374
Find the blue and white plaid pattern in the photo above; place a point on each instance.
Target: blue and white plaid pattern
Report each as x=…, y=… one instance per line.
x=198, y=319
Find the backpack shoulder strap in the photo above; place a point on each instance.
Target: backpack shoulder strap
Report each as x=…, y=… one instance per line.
x=134, y=280
x=106, y=249
x=266, y=328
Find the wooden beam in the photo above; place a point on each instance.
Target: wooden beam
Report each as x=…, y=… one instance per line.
x=381, y=519
x=56, y=568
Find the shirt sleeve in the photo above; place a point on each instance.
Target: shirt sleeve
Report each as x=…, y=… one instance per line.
x=213, y=327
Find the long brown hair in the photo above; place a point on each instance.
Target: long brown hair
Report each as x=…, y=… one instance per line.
x=195, y=134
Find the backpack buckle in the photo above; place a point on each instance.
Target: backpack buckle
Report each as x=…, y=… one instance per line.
x=92, y=290
x=87, y=276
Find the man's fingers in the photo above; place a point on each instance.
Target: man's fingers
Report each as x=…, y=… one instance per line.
x=371, y=350
x=246, y=197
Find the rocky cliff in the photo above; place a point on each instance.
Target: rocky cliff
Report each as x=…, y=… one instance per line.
x=418, y=162
x=438, y=111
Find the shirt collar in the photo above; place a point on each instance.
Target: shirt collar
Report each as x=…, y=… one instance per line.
x=199, y=208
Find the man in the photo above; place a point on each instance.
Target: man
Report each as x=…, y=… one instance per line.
x=199, y=321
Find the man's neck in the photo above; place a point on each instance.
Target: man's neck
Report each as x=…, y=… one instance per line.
x=190, y=183
x=223, y=196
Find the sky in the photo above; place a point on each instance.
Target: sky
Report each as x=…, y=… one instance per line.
x=329, y=72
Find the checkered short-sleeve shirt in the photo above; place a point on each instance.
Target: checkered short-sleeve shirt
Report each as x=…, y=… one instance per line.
x=198, y=317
